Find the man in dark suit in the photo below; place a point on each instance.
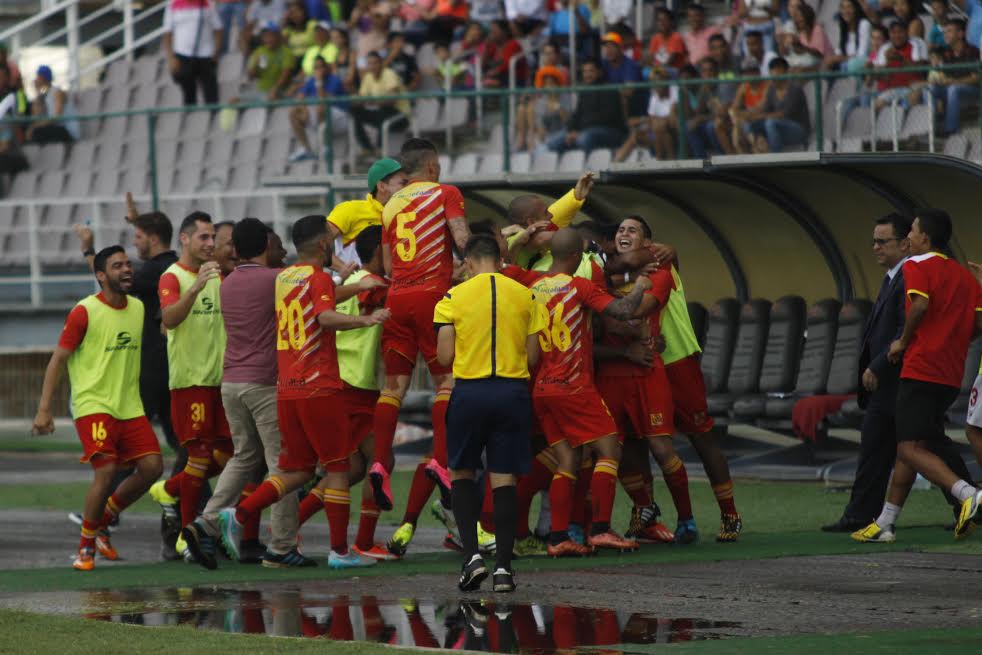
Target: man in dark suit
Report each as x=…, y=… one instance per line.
x=879, y=379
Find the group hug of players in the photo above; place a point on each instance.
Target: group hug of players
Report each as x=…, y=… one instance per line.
x=613, y=372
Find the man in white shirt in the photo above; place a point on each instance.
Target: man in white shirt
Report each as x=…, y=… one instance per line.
x=525, y=15
x=192, y=41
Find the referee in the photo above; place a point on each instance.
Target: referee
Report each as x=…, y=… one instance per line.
x=488, y=328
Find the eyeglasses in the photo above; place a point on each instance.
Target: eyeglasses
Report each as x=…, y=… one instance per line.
x=883, y=242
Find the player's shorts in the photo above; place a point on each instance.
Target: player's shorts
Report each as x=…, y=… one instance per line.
x=974, y=406
x=640, y=406
x=493, y=415
x=921, y=409
x=691, y=414
x=361, y=413
x=106, y=439
x=410, y=332
x=198, y=413
x=314, y=431
x=577, y=419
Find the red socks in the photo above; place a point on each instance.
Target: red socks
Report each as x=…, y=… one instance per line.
x=439, y=415
x=561, y=500
x=89, y=531
x=419, y=493
x=603, y=486
x=114, y=506
x=724, y=496
x=384, y=427
x=337, y=506
x=250, y=531
x=581, y=514
x=538, y=478
x=635, y=487
x=265, y=495
x=173, y=485
x=367, y=520
x=312, y=503
x=192, y=481
x=677, y=480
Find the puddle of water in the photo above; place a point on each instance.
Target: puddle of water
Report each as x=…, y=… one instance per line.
x=490, y=625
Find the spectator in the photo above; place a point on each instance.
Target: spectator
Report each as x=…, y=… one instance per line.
x=378, y=81
x=657, y=129
x=599, y=119
x=13, y=103
x=619, y=69
x=344, y=61
x=229, y=12
x=361, y=16
x=729, y=69
x=805, y=43
x=525, y=16
x=558, y=26
x=903, y=10
x=401, y=62
x=616, y=12
x=272, y=64
x=486, y=12
x=451, y=73
x=12, y=70
x=298, y=28
x=900, y=52
x=758, y=16
x=697, y=38
x=50, y=104
x=260, y=13
x=747, y=105
x=852, y=50
x=783, y=120
x=939, y=14
x=701, y=124
x=451, y=15
x=191, y=41
x=754, y=43
x=973, y=10
x=470, y=44
x=551, y=63
x=666, y=47
x=323, y=47
x=544, y=115
x=322, y=84
x=496, y=51
x=323, y=10
x=956, y=89
x=868, y=90
x=416, y=17
x=376, y=37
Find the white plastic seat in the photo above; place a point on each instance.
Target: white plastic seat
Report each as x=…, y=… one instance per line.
x=465, y=164
x=491, y=164
x=456, y=110
x=445, y=163
x=917, y=123
x=51, y=184
x=197, y=126
x=231, y=66
x=426, y=114
x=888, y=122
x=248, y=149
x=599, y=159
x=956, y=146
x=572, y=161
x=25, y=182
x=117, y=74
x=543, y=162
x=252, y=122
x=244, y=177
x=521, y=162
x=858, y=124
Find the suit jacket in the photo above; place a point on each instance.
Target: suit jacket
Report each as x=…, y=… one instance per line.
x=884, y=325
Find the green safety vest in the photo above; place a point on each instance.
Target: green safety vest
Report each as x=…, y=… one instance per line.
x=196, y=347
x=358, y=350
x=676, y=327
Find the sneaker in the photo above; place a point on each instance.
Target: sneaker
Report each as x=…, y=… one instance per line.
x=612, y=541
x=655, y=533
x=301, y=154
x=85, y=560
x=686, y=532
x=76, y=517
x=485, y=541
x=350, y=560
x=168, y=503
x=472, y=574
x=105, y=547
x=530, y=546
x=645, y=528
x=965, y=523
x=873, y=534
x=183, y=551
x=170, y=530
x=576, y=533
x=293, y=559
x=230, y=532
x=730, y=526
x=200, y=544
x=379, y=478
x=251, y=551
x=445, y=516
x=477, y=617
x=634, y=526
x=399, y=543
x=377, y=551
x=451, y=542
x=568, y=548
x=439, y=474
x=503, y=581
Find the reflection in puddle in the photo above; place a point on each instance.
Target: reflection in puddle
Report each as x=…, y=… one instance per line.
x=453, y=624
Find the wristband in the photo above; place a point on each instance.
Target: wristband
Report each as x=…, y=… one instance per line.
x=90, y=252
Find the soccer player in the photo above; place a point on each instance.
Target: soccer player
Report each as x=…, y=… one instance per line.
x=312, y=404
x=639, y=396
x=348, y=219
x=973, y=426
x=191, y=311
x=100, y=345
x=566, y=402
x=488, y=330
x=944, y=312
x=249, y=399
x=421, y=224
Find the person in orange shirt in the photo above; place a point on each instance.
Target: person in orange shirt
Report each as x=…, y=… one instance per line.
x=667, y=47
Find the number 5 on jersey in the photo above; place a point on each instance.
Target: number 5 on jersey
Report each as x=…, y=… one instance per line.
x=406, y=248
x=557, y=335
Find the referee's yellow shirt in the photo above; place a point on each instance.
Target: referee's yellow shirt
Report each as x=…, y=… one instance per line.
x=353, y=216
x=492, y=316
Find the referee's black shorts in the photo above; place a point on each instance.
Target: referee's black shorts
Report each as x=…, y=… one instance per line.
x=921, y=408
x=492, y=414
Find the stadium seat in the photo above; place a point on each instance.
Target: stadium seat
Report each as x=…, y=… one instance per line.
x=699, y=317
x=491, y=164
x=958, y=412
x=51, y=184
x=844, y=369
x=956, y=146
x=170, y=96
x=465, y=164
x=544, y=161
x=23, y=184
x=197, y=125
x=79, y=181
x=446, y=163
x=717, y=354
x=426, y=115
x=858, y=125
x=244, y=177
x=748, y=357
x=455, y=110
x=888, y=122
x=782, y=356
x=917, y=123
x=105, y=182
x=117, y=74
x=521, y=162
x=231, y=66
x=599, y=160
x=192, y=153
x=572, y=161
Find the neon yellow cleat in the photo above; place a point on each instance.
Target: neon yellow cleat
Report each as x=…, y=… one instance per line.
x=485, y=540
x=874, y=534
x=399, y=542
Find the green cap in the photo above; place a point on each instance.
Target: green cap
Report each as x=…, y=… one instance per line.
x=380, y=170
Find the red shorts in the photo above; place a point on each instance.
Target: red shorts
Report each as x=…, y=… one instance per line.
x=106, y=438
x=577, y=419
x=314, y=431
x=410, y=332
x=198, y=413
x=641, y=406
x=689, y=395
x=361, y=413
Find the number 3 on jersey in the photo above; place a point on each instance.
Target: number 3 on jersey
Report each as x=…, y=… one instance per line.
x=290, y=322
x=557, y=335
x=406, y=248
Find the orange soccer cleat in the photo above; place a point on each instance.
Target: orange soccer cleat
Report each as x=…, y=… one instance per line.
x=612, y=541
x=568, y=548
x=377, y=551
x=105, y=547
x=85, y=560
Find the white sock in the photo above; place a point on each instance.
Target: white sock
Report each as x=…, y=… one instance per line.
x=888, y=517
x=962, y=490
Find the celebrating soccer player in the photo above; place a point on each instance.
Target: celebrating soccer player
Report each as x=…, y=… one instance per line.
x=101, y=347
x=347, y=220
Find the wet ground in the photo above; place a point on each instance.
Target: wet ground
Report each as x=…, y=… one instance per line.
x=618, y=609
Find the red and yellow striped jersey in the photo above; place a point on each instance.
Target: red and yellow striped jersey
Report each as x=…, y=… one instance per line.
x=414, y=229
x=307, y=354
x=662, y=285
x=566, y=364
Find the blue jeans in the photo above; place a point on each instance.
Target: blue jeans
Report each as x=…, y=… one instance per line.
x=588, y=139
x=954, y=97
x=780, y=132
x=702, y=139
x=228, y=13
